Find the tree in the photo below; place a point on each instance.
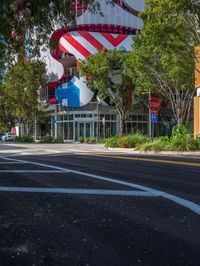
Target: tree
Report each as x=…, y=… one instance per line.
x=37, y=18
x=173, y=21
x=162, y=58
x=107, y=73
x=20, y=93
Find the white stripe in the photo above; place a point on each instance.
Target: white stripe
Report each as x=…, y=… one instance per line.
x=71, y=49
x=78, y=191
x=87, y=45
x=10, y=163
x=102, y=40
x=127, y=43
x=178, y=200
x=33, y=171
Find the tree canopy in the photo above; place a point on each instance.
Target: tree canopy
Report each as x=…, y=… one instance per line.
x=19, y=101
x=164, y=57
x=37, y=18
x=107, y=73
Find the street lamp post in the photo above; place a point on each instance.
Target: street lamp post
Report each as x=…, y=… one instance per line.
x=149, y=115
x=150, y=134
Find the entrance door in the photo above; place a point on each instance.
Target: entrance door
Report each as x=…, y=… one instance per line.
x=85, y=129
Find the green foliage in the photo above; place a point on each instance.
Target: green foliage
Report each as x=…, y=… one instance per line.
x=112, y=142
x=47, y=139
x=19, y=93
x=93, y=140
x=107, y=73
x=39, y=19
x=163, y=55
x=58, y=140
x=198, y=143
x=181, y=140
x=130, y=141
x=87, y=140
x=81, y=139
x=25, y=138
x=180, y=131
x=184, y=143
x=157, y=145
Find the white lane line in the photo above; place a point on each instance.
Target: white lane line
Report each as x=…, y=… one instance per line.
x=33, y=171
x=178, y=200
x=10, y=163
x=78, y=191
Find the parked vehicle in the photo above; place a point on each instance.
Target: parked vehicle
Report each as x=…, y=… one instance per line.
x=1, y=135
x=8, y=137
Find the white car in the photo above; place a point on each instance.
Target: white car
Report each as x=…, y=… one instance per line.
x=8, y=137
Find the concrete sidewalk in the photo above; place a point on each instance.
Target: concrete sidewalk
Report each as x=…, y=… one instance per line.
x=75, y=147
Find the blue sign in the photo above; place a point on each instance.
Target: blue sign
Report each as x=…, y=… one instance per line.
x=154, y=118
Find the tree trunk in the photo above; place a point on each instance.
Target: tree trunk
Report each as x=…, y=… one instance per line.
x=122, y=117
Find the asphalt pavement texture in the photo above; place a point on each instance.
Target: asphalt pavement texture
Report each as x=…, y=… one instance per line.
x=80, y=209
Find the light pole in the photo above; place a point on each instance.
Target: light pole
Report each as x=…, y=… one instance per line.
x=150, y=134
x=149, y=115
x=97, y=119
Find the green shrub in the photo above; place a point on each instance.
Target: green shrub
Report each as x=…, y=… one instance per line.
x=182, y=143
x=180, y=130
x=47, y=139
x=197, y=143
x=87, y=140
x=157, y=145
x=81, y=139
x=93, y=140
x=112, y=142
x=58, y=140
x=130, y=141
x=25, y=138
x=182, y=139
x=101, y=140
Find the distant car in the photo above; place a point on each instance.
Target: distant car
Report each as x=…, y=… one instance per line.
x=8, y=137
x=1, y=135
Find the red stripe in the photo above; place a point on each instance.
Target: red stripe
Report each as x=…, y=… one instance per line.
x=62, y=48
x=80, y=48
x=99, y=46
x=115, y=41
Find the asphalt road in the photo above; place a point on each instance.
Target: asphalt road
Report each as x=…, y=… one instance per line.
x=99, y=210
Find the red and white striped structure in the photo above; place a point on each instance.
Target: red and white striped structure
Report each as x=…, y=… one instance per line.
x=83, y=44
x=92, y=33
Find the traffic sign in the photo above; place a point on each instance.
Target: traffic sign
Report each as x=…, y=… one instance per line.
x=154, y=104
x=154, y=118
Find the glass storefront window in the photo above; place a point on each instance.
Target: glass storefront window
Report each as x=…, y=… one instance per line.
x=134, y=118
x=60, y=130
x=68, y=130
x=113, y=129
x=66, y=117
x=107, y=117
x=89, y=115
x=70, y=117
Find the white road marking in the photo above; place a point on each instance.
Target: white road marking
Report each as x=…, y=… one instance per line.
x=78, y=191
x=33, y=171
x=178, y=200
x=10, y=163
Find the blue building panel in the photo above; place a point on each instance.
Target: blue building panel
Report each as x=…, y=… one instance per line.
x=69, y=92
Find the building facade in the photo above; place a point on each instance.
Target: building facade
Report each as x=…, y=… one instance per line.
x=74, y=109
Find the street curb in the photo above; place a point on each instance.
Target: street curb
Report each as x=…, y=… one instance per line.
x=132, y=151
